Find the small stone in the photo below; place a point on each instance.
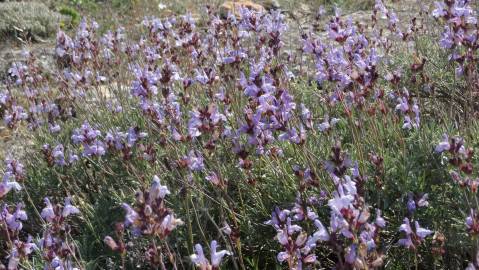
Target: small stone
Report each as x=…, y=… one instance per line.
x=234, y=7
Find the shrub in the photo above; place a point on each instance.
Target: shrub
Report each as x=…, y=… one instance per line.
x=27, y=19
x=188, y=137
x=72, y=13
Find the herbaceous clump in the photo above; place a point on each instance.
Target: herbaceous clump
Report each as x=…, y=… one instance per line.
x=217, y=143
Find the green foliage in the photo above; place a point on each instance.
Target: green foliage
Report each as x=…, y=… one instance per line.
x=72, y=13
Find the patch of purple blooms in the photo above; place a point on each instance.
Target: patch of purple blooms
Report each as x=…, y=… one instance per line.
x=351, y=235
x=460, y=33
x=90, y=139
x=149, y=217
x=56, y=245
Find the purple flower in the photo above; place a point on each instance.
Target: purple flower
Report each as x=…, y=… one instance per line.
x=416, y=111
x=291, y=135
x=351, y=254
x=422, y=202
x=422, y=232
x=215, y=116
x=134, y=135
x=6, y=185
x=73, y=158
x=322, y=233
x=194, y=124
x=440, y=10
x=64, y=44
x=85, y=134
x=157, y=190
x=58, y=155
x=250, y=89
x=282, y=236
x=403, y=105
x=443, y=145
x=292, y=228
x=470, y=266
x=97, y=148
x=115, y=138
x=18, y=71
x=68, y=208
x=217, y=256
x=131, y=215
x=278, y=216
x=194, y=160
x=54, y=128
x=14, y=115
x=447, y=38
x=282, y=256
x=19, y=250
x=48, y=213
x=340, y=200
x=234, y=56
x=327, y=123
x=14, y=221
x=393, y=19
x=406, y=228
x=145, y=84
x=411, y=204
x=200, y=260
x=88, y=137
x=226, y=229
x=201, y=77
x=367, y=236
x=213, y=179
x=170, y=223
x=379, y=219
x=14, y=167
